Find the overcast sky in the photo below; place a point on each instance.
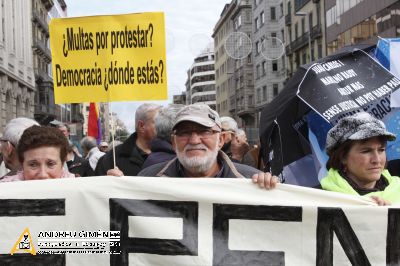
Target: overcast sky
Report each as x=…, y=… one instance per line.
x=189, y=25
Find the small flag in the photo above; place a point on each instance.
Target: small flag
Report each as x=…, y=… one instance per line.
x=94, y=125
x=388, y=53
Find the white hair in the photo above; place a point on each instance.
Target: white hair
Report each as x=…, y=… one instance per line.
x=240, y=132
x=15, y=127
x=229, y=124
x=88, y=143
x=143, y=110
x=165, y=120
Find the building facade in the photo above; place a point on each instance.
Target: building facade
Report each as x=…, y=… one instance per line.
x=233, y=36
x=17, y=78
x=221, y=31
x=305, y=32
x=200, y=82
x=360, y=21
x=180, y=98
x=268, y=51
x=45, y=110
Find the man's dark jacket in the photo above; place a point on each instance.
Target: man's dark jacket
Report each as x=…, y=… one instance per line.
x=172, y=169
x=161, y=151
x=128, y=158
x=80, y=167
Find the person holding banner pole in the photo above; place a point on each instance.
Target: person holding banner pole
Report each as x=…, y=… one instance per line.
x=197, y=140
x=130, y=155
x=356, y=147
x=42, y=152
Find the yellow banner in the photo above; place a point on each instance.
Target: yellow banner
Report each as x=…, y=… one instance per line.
x=109, y=58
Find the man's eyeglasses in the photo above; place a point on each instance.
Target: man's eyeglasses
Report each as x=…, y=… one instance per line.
x=202, y=133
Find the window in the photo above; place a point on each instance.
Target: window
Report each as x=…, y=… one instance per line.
x=262, y=16
x=296, y=31
x=258, y=72
x=274, y=65
x=257, y=24
x=273, y=13
x=258, y=95
x=275, y=89
x=249, y=59
x=264, y=89
x=303, y=26
x=264, y=67
x=273, y=39
x=251, y=100
x=258, y=47
x=238, y=22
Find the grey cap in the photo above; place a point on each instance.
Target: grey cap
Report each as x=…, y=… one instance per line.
x=103, y=144
x=198, y=113
x=356, y=127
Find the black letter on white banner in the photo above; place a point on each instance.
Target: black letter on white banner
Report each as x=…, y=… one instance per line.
x=393, y=238
x=121, y=209
x=334, y=220
x=31, y=207
x=222, y=255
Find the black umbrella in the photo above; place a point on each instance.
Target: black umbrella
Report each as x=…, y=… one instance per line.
x=283, y=126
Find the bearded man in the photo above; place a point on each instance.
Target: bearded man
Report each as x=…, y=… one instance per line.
x=197, y=141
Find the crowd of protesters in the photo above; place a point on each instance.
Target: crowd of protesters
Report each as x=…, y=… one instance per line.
x=194, y=141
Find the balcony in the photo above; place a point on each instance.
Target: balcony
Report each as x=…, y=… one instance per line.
x=244, y=111
x=298, y=4
x=316, y=32
x=44, y=114
x=48, y=4
x=62, y=4
x=288, y=20
x=42, y=50
x=288, y=49
x=42, y=76
x=42, y=24
x=232, y=104
x=297, y=44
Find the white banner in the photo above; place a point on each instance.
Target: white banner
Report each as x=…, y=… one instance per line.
x=183, y=221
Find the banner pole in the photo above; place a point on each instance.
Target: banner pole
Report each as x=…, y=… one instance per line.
x=112, y=133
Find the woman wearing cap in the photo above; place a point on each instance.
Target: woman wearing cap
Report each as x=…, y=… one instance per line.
x=356, y=147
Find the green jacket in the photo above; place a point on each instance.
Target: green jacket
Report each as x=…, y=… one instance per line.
x=335, y=182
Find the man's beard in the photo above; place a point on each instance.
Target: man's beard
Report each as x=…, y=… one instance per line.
x=197, y=164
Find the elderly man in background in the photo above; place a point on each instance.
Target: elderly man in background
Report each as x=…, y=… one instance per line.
x=161, y=147
x=90, y=151
x=103, y=146
x=229, y=128
x=131, y=154
x=197, y=140
x=236, y=145
x=9, y=141
x=64, y=128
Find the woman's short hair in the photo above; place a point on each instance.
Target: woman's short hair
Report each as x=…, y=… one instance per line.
x=38, y=136
x=337, y=154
